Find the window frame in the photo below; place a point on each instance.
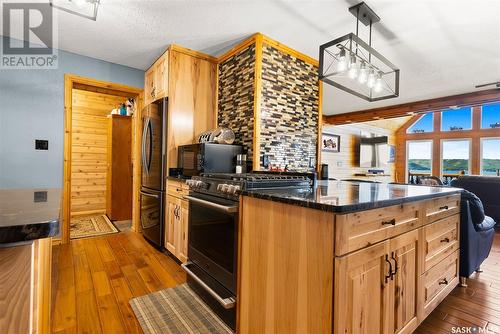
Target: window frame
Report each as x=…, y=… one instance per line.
x=418, y=120
x=481, y=116
x=441, y=159
x=407, y=158
x=481, y=140
x=463, y=130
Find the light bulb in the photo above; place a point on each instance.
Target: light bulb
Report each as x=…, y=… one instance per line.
x=353, y=68
x=363, y=73
x=342, y=63
x=371, y=79
x=378, y=82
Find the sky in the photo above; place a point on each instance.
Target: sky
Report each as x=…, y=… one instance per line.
x=461, y=118
x=490, y=115
x=425, y=123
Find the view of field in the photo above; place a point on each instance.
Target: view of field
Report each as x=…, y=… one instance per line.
x=452, y=166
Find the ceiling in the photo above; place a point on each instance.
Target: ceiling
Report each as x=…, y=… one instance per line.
x=443, y=47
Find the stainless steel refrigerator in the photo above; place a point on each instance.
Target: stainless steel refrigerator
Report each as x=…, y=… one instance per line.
x=153, y=160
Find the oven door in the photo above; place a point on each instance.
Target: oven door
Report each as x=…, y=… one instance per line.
x=213, y=237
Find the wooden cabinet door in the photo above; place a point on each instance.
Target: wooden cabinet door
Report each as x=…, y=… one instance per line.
x=362, y=291
x=183, y=242
x=161, y=76
x=149, y=86
x=404, y=257
x=172, y=212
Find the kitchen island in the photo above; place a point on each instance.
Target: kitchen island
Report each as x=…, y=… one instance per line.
x=28, y=219
x=345, y=257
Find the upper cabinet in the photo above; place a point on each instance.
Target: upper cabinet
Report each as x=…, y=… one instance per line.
x=156, y=80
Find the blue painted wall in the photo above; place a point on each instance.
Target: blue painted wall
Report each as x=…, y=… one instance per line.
x=32, y=107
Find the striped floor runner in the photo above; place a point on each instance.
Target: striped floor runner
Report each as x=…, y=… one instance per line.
x=176, y=310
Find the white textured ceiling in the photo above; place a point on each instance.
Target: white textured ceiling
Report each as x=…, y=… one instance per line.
x=442, y=47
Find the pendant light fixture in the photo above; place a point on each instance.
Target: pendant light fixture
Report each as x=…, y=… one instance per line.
x=354, y=66
x=83, y=8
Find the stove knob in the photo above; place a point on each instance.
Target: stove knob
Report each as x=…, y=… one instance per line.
x=237, y=189
x=219, y=187
x=225, y=188
x=198, y=184
x=231, y=189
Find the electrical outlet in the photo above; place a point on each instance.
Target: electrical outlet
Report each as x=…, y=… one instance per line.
x=41, y=144
x=39, y=196
x=339, y=163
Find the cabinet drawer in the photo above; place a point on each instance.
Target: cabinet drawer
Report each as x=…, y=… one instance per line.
x=440, y=240
x=177, y=188
x=441, y=207
x=438, y=282
x=357, y=230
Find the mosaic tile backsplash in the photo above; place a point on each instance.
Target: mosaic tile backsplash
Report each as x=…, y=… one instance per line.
x=289, y=111
x=236, y=96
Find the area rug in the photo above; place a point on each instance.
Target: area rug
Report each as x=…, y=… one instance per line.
x=91, y=226
x=176, y=310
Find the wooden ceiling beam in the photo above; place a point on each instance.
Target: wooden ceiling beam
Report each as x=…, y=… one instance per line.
x=406, y=109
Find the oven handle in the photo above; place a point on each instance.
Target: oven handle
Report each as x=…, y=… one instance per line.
x=215, y=206
x=227, y=303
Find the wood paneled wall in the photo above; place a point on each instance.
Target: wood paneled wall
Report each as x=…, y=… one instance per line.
x=89, y=150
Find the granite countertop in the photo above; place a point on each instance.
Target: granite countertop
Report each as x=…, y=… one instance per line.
x=28, y=214
x=349, y=196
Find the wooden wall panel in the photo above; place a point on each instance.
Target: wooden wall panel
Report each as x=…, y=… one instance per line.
x=89, y=150
x=192, y=100
x=15, y=293
x=286, y=255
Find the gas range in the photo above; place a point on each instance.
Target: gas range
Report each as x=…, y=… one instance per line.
x=229, y=186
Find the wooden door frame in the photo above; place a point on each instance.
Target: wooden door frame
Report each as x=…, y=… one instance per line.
x=70, y=80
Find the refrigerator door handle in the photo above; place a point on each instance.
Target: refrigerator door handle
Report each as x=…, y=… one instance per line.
x=150, y=131
x=149, y=194
x=144, y=130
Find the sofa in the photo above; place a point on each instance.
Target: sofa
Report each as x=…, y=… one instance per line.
x=487, y=188
x=477, y=231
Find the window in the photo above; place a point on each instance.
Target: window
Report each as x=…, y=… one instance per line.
x=419, y=160
x=490, y=116
x=455, y=156
x=490, y=156
x=456, y=119
x=424, y=124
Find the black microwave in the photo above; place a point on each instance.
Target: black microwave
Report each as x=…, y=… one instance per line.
x=196, y=159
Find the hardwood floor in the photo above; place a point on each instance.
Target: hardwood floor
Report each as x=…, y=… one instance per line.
x=94, y=278
x=478, y=305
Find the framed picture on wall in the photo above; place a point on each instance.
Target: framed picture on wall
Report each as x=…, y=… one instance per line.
x=392, y=154
x=330, y=143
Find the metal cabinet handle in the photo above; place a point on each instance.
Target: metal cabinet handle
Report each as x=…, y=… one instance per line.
x=390, y=222
x=445, y=207
x=388, y=276
x=395, y=266
x=445, y=240
x=227, y=303
x=443, y=282
x=148, y=194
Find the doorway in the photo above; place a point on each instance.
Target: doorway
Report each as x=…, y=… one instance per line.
x=99, y=157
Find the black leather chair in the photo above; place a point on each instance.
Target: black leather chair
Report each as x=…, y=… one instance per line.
x=477, y=232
